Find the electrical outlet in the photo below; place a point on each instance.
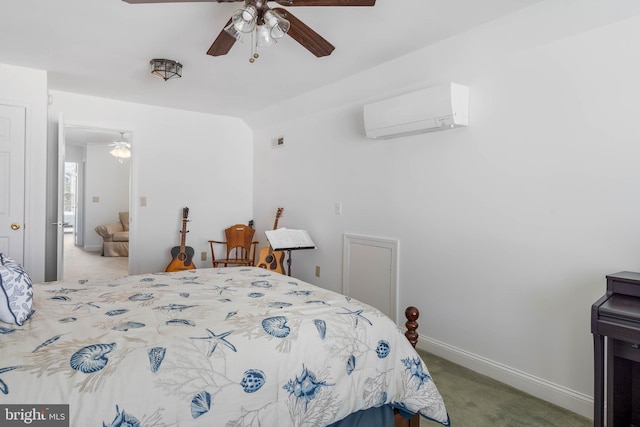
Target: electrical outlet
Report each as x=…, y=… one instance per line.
x=143, y=201
x=317, y=271
x=203, y=256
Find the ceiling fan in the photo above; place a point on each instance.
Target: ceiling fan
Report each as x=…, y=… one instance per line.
x=121, y=148
x=269, y=24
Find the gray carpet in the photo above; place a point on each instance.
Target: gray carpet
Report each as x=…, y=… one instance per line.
x=474, y=400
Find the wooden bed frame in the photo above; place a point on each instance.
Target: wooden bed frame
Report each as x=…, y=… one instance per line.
x=412, y=314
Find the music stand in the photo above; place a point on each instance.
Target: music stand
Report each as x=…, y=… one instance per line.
x=284, y=239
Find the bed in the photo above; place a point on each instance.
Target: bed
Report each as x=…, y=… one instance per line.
x=233, y=347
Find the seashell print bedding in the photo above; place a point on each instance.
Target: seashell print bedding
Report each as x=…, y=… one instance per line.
x=210, y=347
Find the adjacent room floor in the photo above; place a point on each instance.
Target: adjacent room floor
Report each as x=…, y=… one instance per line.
x=80, y=264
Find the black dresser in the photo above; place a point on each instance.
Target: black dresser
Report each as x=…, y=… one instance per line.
x=615, y=325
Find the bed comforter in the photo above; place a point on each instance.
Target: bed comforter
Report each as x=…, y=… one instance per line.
x=232, y=347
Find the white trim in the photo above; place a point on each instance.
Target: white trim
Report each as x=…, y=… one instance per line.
x=390, y=244
x=564, y=397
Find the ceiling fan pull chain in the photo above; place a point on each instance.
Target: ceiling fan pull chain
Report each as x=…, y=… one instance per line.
x=254, y=48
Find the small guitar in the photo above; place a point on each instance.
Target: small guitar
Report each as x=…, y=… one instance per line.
x=182, y=255
x=270, y=259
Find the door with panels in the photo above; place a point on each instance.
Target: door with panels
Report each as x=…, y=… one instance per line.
x=12, y=178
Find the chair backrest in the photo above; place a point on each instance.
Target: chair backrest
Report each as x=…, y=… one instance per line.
x=239, y=238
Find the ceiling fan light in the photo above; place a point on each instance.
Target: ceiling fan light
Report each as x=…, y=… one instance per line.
x=263, y=37
x=233, y=32
x=166, y=68
x=121, y=152
x=244, y=20
x=278, y=26
x=121, y=148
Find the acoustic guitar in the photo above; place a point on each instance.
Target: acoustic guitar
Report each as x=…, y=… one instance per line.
x=270, y=259
x=182, y=256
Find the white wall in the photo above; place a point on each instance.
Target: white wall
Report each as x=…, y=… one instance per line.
x=179, y=158
x=28, y=88
x=107, y=181
x=508, y=228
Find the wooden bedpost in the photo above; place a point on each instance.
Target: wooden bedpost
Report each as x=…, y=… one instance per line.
x=412, y=314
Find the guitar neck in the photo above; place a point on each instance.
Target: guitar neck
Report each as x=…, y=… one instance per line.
x=278, y=215
x=275, y=225
x=183, y=237
x=185, y=215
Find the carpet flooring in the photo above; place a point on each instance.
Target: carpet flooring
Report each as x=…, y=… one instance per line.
x=80, y=264
x=474, y=400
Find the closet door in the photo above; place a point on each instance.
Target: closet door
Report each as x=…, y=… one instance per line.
x=370, y=271
x=12, y=179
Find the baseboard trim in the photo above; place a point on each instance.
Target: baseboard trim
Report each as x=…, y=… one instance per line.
x=564, y=397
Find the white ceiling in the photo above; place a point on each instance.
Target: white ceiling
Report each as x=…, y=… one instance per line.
x=103, y=47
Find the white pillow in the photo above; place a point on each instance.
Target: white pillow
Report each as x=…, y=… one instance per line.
x=17, y=293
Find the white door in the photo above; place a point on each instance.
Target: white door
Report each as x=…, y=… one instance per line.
x=12, y=145
x=60, y=223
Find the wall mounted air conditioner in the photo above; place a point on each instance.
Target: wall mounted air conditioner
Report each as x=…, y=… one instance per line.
x=436, y=108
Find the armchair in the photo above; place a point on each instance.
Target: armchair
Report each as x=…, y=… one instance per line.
x=115, y=236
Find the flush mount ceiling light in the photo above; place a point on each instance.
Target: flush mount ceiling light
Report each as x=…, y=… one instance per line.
x=121, y=148
x=166, y=68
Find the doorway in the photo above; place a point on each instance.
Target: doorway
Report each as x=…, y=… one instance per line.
x=95, y=189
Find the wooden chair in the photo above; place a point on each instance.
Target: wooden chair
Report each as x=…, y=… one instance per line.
x=240, y=247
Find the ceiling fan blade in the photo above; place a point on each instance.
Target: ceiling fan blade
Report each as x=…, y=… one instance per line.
x=326, y=2
x=223, y=43
x=304, y=35
x=176, y=1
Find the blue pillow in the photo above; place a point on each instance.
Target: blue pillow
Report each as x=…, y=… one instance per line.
x=17, y=293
